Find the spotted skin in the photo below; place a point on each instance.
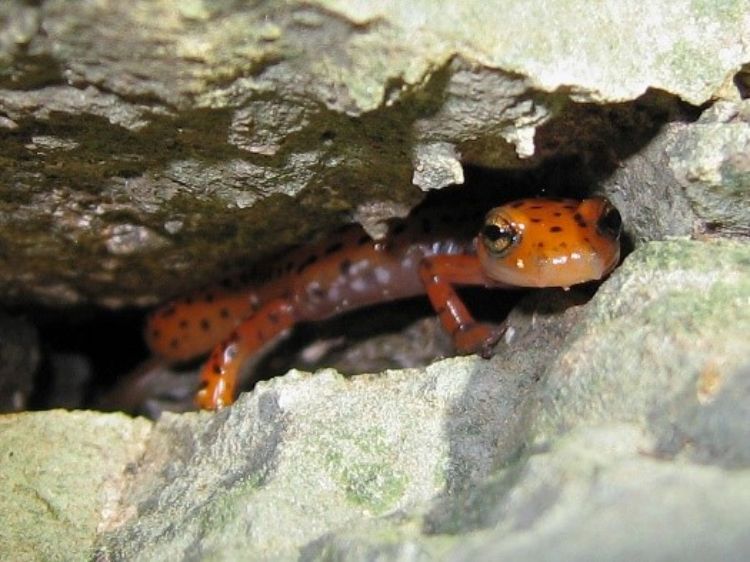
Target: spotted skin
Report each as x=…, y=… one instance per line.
x=526, y=243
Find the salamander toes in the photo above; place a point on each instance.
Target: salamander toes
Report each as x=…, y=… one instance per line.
x=478, y=337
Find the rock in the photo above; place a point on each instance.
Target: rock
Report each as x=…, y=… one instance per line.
x=512, y=456
x=19, y=361
x=672, y=315
x=711, y=161
x=257, y=127
x=598, y=489
x=62, y=473
x=690, y=179
x=633, y=413
x=362, y=459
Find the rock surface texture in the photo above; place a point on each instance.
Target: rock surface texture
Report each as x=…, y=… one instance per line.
x=146, y=145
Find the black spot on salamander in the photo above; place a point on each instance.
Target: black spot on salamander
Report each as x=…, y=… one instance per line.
x=188, y=300
x=557, y=213
x=333, y=248
x=273, y=318
x=536, y=220
x=364, y=239
x=586, y=239
x=540, y=245
x=555, y=229
x=183, y=324
x=224, y=312
x=563, y=244
x=580, y=221
x=537, y=207
x=569, y=207
x=307, y=262
x=345, y=267
x=216, y=368
x=261, y=335
x=205, y=325
x=318, y=292
x=174, y=343
x=155, y=333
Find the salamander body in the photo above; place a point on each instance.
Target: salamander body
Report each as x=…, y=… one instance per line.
x=525, y=243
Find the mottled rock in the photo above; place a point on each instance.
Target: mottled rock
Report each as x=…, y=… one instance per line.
x=359, y=459
x=592, y=420
x=62, y=474
x=254, y=127
x=711, y=159
x=499, y=458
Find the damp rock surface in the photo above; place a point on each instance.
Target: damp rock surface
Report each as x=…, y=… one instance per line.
x=143, y=147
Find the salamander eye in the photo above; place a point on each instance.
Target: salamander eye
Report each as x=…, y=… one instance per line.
x=609, y=223
x=498, y=235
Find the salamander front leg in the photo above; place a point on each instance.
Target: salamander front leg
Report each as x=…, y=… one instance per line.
x=439, y=274
x=219, y=374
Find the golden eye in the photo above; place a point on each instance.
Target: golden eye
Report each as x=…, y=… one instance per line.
x=498, y=235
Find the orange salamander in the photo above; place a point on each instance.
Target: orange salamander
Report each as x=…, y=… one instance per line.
x=525, y=243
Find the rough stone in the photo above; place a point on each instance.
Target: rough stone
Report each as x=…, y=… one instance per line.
x=711, y=159
x=256, y=127
x=591, y=420
x=675, y=313
x=62, y=474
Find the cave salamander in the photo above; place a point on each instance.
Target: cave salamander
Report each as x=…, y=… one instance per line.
x=526, y=243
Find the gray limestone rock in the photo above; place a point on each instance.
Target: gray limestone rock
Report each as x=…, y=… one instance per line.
x=212, y=133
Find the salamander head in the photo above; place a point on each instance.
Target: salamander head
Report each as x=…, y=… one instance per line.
x=550, y=242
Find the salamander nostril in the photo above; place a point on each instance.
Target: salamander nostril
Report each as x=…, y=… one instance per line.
x=610, y=223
